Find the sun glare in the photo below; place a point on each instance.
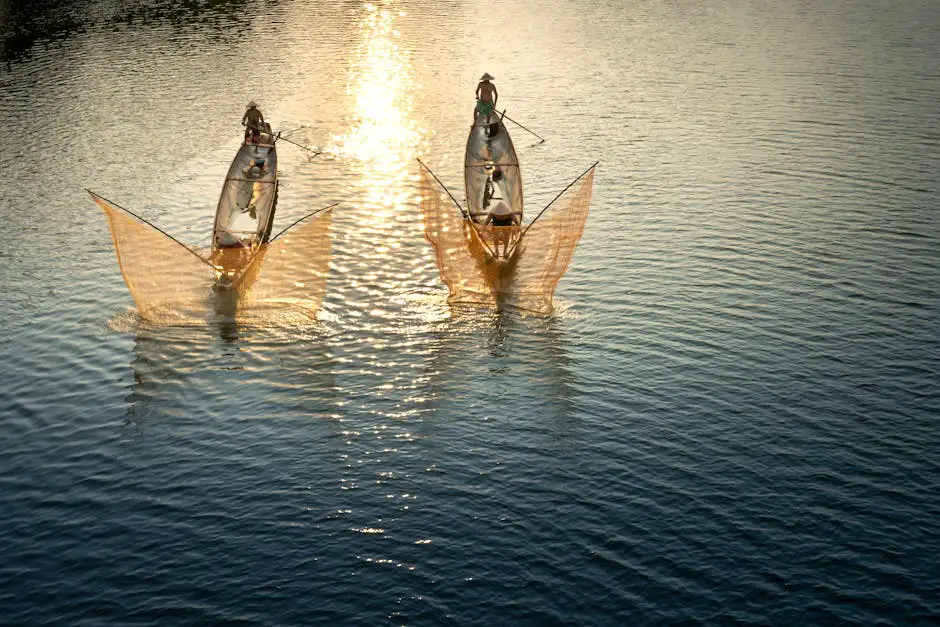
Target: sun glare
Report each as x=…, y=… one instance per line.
x=382, y=133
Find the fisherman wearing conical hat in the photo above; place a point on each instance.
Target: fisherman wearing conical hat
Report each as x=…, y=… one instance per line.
x=254, y=122
x=486, y=97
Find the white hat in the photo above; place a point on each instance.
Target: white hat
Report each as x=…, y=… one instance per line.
x=500, y=209
x=228, y=239
x=252, y=104
x=486, y=77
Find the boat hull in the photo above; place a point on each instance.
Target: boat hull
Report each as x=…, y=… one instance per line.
x=491, y=175
x=245, y=213
x=491, y=169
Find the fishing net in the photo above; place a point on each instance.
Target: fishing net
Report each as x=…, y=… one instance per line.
x=547, y=247
x=289, y=273
x=171, y=284
x=528, y=282
x=167, y=280
x=448, y=233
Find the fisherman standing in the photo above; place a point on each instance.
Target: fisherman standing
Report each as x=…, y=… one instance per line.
x=254, y=122
x=486, y=97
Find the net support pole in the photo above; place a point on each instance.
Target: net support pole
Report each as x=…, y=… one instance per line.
x=542, y=212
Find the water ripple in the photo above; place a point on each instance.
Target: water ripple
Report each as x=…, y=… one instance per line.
x=730, y=418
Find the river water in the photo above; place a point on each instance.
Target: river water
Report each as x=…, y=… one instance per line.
x=731, y=417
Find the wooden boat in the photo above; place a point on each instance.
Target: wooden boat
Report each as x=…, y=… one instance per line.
x=514, y=266
x=169, y=280
x=245, y=213
x=491, y=177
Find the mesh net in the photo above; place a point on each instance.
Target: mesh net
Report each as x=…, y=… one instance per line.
x=529, y=279
x=449, y=234
x=167, y=281
x=547, y=247
x=295, y=267
x=171, y=285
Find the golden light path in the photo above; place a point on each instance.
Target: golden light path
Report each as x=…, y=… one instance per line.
x=383, y=135
x=380, y=144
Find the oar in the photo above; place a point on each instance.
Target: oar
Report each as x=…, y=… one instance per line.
x=315, y=152
x=279, y=136
x=524, y=128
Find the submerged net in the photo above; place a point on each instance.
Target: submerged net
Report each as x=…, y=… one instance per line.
x=541, y=260
x=547, y=247
x=167, y=280
x=290, y=272
x=447, y=232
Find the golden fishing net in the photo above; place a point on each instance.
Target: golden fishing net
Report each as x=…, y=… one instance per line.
x=290, y=272
x=541, y=260
x=171, y=284
x=166, y=280
x=547, y=247
x=447, y=232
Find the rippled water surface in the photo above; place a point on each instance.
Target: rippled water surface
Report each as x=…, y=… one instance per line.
x=730, y=417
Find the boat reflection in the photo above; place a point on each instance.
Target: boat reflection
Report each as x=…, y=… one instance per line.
x=524, y=361
x=186, y=373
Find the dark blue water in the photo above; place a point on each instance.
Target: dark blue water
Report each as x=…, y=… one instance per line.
x=732, y=417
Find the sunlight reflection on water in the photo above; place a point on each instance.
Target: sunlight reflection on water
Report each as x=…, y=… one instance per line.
x=747, y=338
x=383, y=135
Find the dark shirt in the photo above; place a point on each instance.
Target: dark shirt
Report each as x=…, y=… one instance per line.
x=253, y=117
